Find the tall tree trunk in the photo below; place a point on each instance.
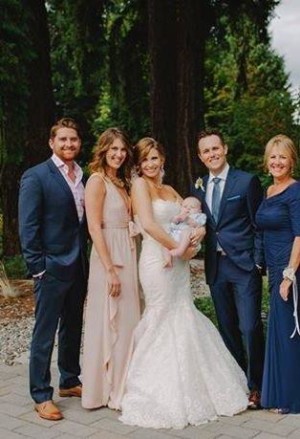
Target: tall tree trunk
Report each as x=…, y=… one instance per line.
x=41, y=102
x=191, y=39
x=31, y=146
x=177, y=37
x=163, y=97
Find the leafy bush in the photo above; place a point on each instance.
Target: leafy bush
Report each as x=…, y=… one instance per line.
x=206, y=306
x=15, y=267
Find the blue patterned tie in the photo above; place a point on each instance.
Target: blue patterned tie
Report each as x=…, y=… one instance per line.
x=216, y=198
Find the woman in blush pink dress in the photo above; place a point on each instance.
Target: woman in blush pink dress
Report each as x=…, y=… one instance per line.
x=112, y=310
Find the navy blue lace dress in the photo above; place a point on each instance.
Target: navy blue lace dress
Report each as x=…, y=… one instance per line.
x=279, y=219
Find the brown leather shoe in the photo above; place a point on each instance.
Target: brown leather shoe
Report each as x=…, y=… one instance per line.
x=48, y=410
x=72, y=391
x=254, y=400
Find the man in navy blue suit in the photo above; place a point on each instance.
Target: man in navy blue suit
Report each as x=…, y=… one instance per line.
x=233, y=256
x=53, y=237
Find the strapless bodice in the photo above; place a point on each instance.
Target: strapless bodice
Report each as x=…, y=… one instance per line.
x=163, y=212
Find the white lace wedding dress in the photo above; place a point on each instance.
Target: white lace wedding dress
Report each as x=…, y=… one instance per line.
x=181, y=372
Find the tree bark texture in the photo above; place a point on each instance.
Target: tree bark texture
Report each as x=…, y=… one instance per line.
x=177, y=36
x=41, y=102
x=40, y=117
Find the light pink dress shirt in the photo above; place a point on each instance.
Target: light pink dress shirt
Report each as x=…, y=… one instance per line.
x=76, y=187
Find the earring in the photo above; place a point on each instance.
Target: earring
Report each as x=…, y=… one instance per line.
x=134, y=173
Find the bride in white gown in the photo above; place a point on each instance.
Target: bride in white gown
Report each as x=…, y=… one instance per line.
x=181, y=372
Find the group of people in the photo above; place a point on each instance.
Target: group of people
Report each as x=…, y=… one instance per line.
x=170, y=366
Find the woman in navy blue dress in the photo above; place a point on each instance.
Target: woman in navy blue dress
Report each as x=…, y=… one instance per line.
x=279, y=219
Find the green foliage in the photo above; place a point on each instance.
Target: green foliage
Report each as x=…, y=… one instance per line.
x=255, y=120
x=15, y=267
x=247, y=94
x=128, y=66
x=101, y=66
x=16, y=52
x=265, y=297
x=78, y=61
x=206, y=306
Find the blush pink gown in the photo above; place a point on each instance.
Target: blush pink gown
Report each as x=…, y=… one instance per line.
x=110, y=321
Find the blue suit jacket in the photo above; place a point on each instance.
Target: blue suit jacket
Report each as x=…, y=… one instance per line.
x=235, y=230
x=52, y=237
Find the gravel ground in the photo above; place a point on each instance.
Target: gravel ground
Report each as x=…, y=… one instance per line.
x=15, y=334
x=14, y=339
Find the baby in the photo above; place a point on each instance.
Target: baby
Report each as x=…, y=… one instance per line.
x=182, y=225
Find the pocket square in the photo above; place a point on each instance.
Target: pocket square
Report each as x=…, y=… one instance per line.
x=236, y=197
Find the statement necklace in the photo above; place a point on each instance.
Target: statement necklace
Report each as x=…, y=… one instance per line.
x=116, y=181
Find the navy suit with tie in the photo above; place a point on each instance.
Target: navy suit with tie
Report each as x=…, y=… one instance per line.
x=53, y=241
x=233, y=250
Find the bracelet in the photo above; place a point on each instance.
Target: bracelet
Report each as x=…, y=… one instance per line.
x=289, y=273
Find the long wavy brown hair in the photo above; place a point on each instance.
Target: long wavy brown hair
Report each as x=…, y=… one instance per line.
x=105, y=140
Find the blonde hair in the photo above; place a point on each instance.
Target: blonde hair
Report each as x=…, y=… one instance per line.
x=142, y=149
x=105, y=140
x=286, y=144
